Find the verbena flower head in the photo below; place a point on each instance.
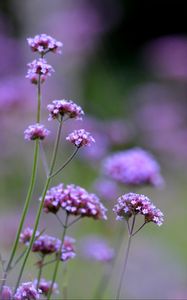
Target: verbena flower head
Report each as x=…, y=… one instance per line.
x=6, y=293
x=52, y=202
x=96, y=248
x=26, y=291
x=76, y=201
x=133, y=204
x=39, y=67
x=26, y=235
x=44, y=43
x=36, y=131
x=80, y=138
x=44, y=286
x=68, y=251
x=133, y=167
x=61, y=108
x=46, y=244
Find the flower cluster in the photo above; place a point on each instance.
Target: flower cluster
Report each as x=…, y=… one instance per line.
x=133, y=167
x=36, y=131
x=46, y=244
x=68, y=251
x=26, y=235
x=26, y=291
x=39, y=67
x=75, y=200
x=80, y=138
x=61, y=108
x=44, y=43
x=6, y=293
x=44, y=286
x=132, y=204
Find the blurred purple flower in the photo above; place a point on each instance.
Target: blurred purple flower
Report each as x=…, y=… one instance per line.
x=26, y=291
x=6, y=293
x=106, y=188
x=97, y=249
x=133, y=167
x=167, y=57
x=68, y=251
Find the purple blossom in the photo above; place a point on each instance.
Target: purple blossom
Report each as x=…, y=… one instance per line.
x=77, y=201
x=68, y=251
x=44, y=286
x=39, y=67
x=133, y=167
x=80, y=138
x=133, y=204
x=46, y=244
x=36, y=131
x=6, y=293
x=61, y=108
x=96, y=248
x=52, y=202
x=107, y=189
x=26, y=235
x=44, y=43
x=26, y=291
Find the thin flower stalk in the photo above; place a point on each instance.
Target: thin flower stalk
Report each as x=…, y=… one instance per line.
x=29, y=193
x=41, y=263
x=58, y=257
x=126, y=258
x=53, y=160
x=65, y=164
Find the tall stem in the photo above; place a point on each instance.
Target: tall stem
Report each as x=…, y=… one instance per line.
x=53, y=160
x=30, y=190
x=126, y=258
x=58, y=258
x=40, y=271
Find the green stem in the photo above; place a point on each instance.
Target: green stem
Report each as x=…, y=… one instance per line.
x=66, y=163
x=24, y=213
x=40, y=271
x=53, y=160
x=126, y=258
x=58, y=258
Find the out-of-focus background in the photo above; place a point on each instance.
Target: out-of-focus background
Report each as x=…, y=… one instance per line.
x=125, y=63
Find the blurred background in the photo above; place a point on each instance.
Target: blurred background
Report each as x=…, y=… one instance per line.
x=125, y=63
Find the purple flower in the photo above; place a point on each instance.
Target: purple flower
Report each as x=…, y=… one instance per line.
x=26, y=235
x=36, y=131
x=52, y=201
x=107, y=189
x=46, y=244
x=6, y=293
x=44, y=43
x=39, y=67
x=61, y=108
x=68, y=251
x=44, y=286
x=96, y=248
x=80, y=138
x=77, y=201
x=133, y=167
x=133, y=204
x=26, y=291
